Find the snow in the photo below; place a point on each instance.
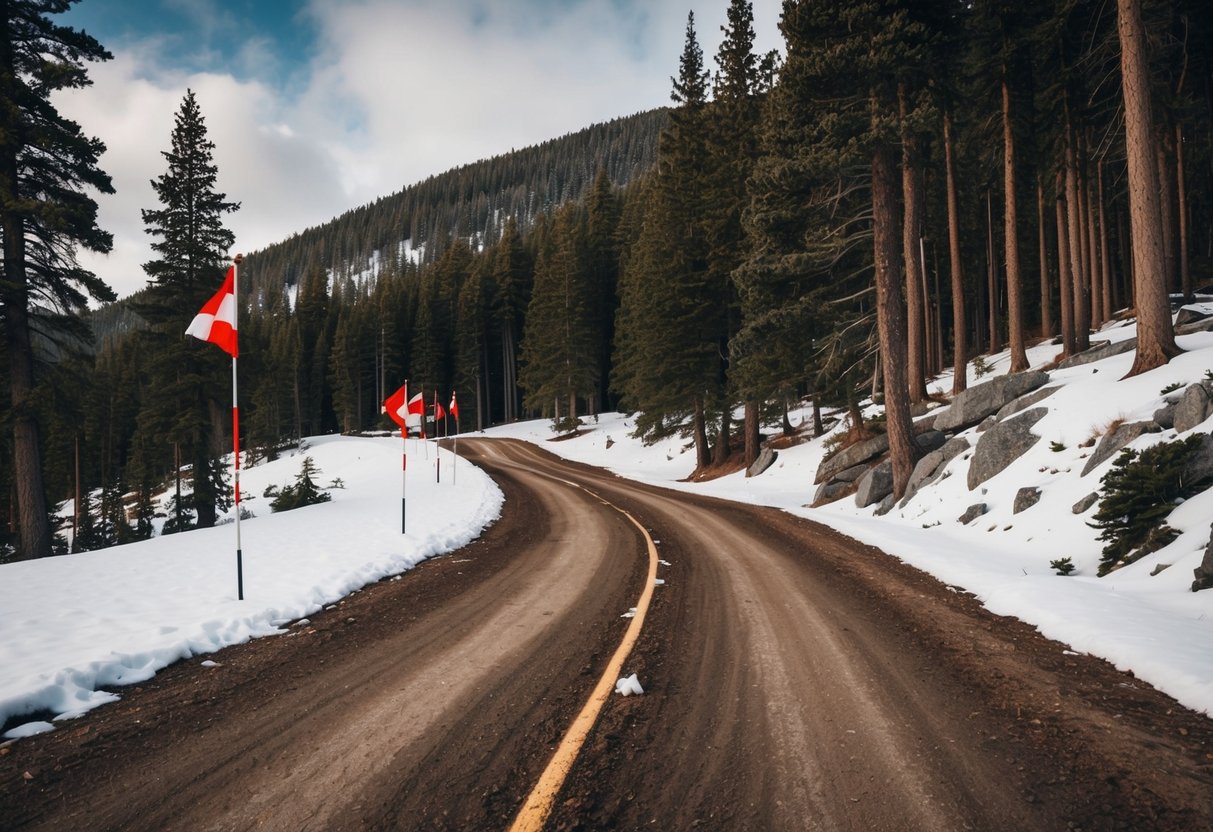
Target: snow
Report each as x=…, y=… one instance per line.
x=1149, y=624
x=72, y=627
x=629, y=686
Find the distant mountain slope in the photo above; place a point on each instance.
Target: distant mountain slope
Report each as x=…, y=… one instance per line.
x=471, y=201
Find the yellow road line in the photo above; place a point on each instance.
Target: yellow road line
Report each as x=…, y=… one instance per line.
x=534, y=812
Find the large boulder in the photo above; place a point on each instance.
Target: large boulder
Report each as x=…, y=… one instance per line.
x=1024, y=402
x=859, y=453
x=828, y=492
x=976, y=403
x=1200, y=464
x=1193, y=407
x=972, y=513
x=1204, y=572
x=1113, y=441
x=928, y=469
x=875, y=485
x=1098, y=352
x=1025, y=498
x=1003, y=444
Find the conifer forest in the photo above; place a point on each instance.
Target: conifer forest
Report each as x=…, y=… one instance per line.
x=903, y=186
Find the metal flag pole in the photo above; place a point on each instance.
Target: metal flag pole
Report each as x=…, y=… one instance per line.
x=404, y=460
x=236, y=430
x=437, y=449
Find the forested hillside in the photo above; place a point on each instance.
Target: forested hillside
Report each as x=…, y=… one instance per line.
x=908, y=186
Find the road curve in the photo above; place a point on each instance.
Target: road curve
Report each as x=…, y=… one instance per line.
x=795, y=680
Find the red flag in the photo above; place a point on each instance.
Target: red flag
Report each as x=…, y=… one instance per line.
x=454, y=408
x=395, y=407
x=217, y=320
x=439, y=413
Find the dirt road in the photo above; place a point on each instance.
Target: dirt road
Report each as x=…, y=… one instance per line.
x=794, y=680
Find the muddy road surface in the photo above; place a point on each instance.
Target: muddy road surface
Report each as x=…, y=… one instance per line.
x=794, y=680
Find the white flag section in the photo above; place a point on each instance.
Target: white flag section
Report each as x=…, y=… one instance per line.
x=216, y=322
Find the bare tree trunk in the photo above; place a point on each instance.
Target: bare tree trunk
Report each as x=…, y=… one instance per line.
x=1104, y=262
x=991, y=279
x=911, y=232
x=1155, y=334
x=1046, y=300
x=1185, y=269
x=1098, y=313
x=1010, y=225
x=818, y=427
x=890, y=319
x=960, y=356
x=1166, y=205
x=1065, y=276
x=722, y=438
x=752, y=435
x=700, y=431
x=1078, y=278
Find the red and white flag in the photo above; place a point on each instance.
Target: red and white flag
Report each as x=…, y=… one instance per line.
x=396, y=408
x=416, y=413
x=217, y=320
x=454, y=408
x=439, y=413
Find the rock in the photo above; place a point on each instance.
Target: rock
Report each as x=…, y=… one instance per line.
x=1200, y=464
x=930, y=440
x=1024, y=402
x=1025, y=498
x=886, y=505
x=1204, y=572
x=1192, y=408
x=1188, y=315
x=849, y=457
x=927, y=470
x=976, y=403
x=1164, y=417
x=987, y=423
x=1114, y=441
x=1098, y=353
x=1003, y=444
x=1195, y=326
x=851, y=474
x=766, y=458
x=972, y=513
x=1085, y=503
x=875, y=485
x=831, y=491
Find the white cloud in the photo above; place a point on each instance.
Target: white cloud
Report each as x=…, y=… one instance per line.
x=396, y=91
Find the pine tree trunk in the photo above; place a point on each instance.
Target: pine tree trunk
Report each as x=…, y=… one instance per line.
x=960, y=356
x=912, y=222
x=991, y=279
x=1019, y=357
x=1166, y=205
x=722, y=438
x=1065, y=277
x=1091, y=245
x=752, y=435
x=1105, y=263
x=1078, y=278
x=1185, y=267
x=1046, y=300
x=890, y=319
x=700, y=431
x=818, y=426
x=1155, y=334
x=33, y=519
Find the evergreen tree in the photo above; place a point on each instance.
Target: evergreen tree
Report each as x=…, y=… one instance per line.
x=46, y=164
x=191, y=246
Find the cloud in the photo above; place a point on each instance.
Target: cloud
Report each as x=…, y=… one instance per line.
x=391, y=92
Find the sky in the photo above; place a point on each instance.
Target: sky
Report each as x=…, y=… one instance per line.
x=318, y=107
x=72, y=628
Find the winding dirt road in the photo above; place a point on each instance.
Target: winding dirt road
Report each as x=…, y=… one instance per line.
x=794, y=680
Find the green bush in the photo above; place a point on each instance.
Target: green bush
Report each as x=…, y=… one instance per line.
x=1063, y=566
x=304, y=492
x=1137, y=496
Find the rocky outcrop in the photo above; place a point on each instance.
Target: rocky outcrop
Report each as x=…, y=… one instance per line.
x=976, y=403
x=1115, y=440
x=1204, y=572
x=1023, y=402
x=1085, y=503
x=1003, y=444
x=929, y=468
x=1200, y=464
x=875, y=485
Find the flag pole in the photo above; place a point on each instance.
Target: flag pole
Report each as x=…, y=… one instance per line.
x=404, y=460
x=236, y=431
x=437, y=449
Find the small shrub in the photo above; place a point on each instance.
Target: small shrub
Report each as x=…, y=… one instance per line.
x=981, y=367
x=1057, y=447
x=1062, y=566
x=1171, y=388
x=565, y=424
x=304, y=492
x=1136, y=497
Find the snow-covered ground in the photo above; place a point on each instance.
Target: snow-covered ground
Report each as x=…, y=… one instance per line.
x=70, y=626
x=1151, y=624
